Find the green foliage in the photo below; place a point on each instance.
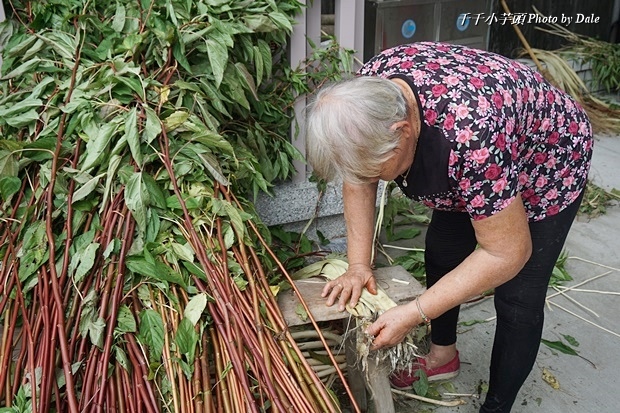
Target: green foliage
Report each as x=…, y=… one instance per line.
x=560, y=346
x=400, y=212
x=94, y=97
x=596, y=200
x=413, y=261
x=605, y=60
x=560, y=275
x=214, y=73
x=291, y=247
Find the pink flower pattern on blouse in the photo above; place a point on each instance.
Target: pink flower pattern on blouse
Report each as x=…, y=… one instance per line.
x=509, y=130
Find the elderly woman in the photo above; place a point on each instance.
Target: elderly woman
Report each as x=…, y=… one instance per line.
x=499, y=154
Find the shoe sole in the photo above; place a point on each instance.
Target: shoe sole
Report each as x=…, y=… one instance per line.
x=433, y=378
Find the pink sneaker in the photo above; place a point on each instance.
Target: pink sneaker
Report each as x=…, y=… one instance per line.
x=404, y=379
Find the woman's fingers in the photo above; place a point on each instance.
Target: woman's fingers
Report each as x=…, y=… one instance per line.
x=347, y=289
x=391, y=327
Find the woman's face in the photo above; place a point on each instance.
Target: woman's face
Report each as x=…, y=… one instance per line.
x=402, y=156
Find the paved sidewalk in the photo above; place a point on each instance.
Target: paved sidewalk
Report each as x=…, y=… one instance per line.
x=590, y=385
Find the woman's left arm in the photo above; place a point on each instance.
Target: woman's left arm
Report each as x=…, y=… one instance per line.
x=505, y=245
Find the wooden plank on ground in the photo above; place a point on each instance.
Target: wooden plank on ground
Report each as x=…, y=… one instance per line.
x=395, y=281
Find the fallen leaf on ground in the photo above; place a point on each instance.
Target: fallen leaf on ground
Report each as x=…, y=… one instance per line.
x=550, y=379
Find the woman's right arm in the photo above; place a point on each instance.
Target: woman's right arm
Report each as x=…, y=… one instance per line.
x=359, y=213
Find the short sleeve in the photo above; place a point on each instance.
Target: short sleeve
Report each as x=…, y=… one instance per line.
x=482, y=163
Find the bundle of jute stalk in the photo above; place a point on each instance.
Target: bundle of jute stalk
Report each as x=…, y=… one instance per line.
x=135, y=275
x=368, y=308
x=604, y=58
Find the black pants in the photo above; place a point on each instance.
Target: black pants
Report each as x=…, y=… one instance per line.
x=519, y=303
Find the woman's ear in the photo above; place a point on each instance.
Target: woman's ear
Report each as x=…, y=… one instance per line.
x=398, y=126
x=403, y=126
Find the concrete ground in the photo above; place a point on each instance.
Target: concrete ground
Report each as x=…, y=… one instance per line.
x=588, y=384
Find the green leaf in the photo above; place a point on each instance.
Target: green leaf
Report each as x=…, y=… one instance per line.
x=282, y=20
x=86, y=189
x=405, y=234
x=156, y=195
x=9, y=185
x=62, y=43
x=137, y=199
x=155, y=270
x=97, y=145
x=152, y=128
x=195, y=270
x=34, y=250
x=571, y=340
x=195, y=307
x=218, y=58
x=8, y=164
x=324, y=359
x=175, y=120
x=559, y=346
x=152, y=333
x=186, y=339
x=125, y=321
x=96, y=331
x=421, y=386
x=88, y=306
x=87, y=260
x=265, y=52
x=121, y=357
x=258, y=65
x=132, y=136
x=25, y=67
x=23, y=119
x=19, y=107
x=119, y=18
x=246, y=79
x=210, y=163
x=183, y=252
x=301, y=312
x=115, y=161
x=258, y=23
x=236, y=93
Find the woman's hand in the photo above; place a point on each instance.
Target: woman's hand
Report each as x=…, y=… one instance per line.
x=348, y=287
x=393, y=326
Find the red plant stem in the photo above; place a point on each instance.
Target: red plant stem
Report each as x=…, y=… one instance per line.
x=77, y=308
x=207, y=392
x=118, y=292
x=44, y=332
x=138, y=386
x=18, y=373
x=198, y=398
x=58, y=398
x=60, y=327
x=143, y=374
x=221, y=384
x=69, y=220
x=223, y=324
x=318, y=384
x=30, y=344
x=127, y=391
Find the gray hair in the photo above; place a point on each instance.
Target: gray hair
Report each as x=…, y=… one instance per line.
x=349, y=128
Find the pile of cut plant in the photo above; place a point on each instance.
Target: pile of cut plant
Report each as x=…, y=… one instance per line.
x=135, y=276
x=603, y=59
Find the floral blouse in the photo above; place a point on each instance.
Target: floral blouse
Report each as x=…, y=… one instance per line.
x=492, y=128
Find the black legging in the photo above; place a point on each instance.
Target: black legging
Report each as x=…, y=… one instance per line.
x=519, y=303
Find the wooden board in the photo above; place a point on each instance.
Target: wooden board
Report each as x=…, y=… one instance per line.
x=395, y=281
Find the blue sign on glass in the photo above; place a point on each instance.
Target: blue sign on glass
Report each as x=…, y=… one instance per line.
x=408, y=29
x=462, y=22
